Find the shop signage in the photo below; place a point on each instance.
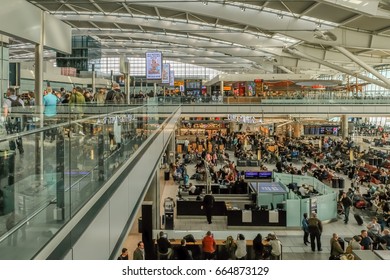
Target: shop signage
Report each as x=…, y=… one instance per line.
x=244, y=119
x=116, y=119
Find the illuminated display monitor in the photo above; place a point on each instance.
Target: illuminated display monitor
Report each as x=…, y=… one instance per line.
x=255, y=175
x=265, y=175
x=251, y=175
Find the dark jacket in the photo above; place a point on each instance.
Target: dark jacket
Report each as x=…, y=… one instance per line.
x=315, y=225
x=335, y=248
x=346, y=201
x=163, y=245
x=182, y=253
x=138, y=254
x=208, y=201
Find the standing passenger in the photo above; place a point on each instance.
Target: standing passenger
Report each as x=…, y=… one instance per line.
x=139, y=252
x=124, y=255
x=50, y=111
x=315, y=230
x=305, y=228
x=208, y=205
x=347, y=203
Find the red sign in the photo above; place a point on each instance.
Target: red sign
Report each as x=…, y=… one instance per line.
x=258, y=80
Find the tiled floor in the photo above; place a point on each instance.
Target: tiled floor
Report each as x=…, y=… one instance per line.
x=292, y=239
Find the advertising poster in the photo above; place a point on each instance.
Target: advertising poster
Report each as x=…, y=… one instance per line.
x=165, y=73
x=171, y=78
x=153, y=65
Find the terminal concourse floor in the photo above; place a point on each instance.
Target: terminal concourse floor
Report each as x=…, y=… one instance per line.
x=292, y=239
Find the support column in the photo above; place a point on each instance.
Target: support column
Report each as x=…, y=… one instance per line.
x=147, y=229
x=297, y=130
x=127, y=87
x=172, y=150
x=60, y=179
x=221, y=85
x=154, y=89
x=154, y=194
x=344, y=126
x=93, y=80
x=4, y=67
x=38, y=90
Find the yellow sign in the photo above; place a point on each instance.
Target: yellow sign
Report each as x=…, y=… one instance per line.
x=179, y=83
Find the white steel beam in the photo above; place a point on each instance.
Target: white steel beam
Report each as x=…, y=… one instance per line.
x=336, y=67
x=363, y=64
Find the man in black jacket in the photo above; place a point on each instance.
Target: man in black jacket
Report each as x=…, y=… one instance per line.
x=208, y=205
x=164, y=246
x=182, y=251
x=347, y=203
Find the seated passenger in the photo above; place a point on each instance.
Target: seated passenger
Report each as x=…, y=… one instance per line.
x=193, y=190
x=164, y=246
x=366, y=242
x=241, y=251
x=303, y=190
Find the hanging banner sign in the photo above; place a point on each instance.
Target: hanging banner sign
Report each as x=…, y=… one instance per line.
x=153, y=65
x=165, y=73
x=171, y=78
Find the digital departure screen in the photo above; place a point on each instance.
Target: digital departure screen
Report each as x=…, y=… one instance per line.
x=265, y=175
x=253, y=175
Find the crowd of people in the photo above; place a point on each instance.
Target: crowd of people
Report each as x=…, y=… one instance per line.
x=263, y=248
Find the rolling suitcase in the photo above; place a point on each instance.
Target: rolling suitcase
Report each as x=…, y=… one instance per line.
x=358, y=219
x=335, y=183
x=341, y=183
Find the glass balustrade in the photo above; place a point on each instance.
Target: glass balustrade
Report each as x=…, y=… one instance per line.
x=47, y=174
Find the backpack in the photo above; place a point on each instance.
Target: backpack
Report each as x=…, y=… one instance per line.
x=118, y=98
x=189, y=238
x=16, y=102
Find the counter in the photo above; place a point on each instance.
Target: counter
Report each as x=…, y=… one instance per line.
x=256, y=218
x=193, y=208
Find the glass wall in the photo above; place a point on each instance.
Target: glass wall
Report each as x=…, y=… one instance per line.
x=324, y=203
x=48, y=174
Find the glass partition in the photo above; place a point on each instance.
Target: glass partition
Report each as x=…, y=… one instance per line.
x=324, y=203
x=47, y=174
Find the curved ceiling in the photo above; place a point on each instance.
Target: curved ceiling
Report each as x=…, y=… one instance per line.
x=307, y=37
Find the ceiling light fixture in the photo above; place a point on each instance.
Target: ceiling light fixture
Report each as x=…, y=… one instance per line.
x=91, y=16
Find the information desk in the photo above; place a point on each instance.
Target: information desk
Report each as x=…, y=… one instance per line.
x=256, y=218
x=193, y=208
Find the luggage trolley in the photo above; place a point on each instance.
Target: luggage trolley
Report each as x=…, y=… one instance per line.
x=169, y=206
